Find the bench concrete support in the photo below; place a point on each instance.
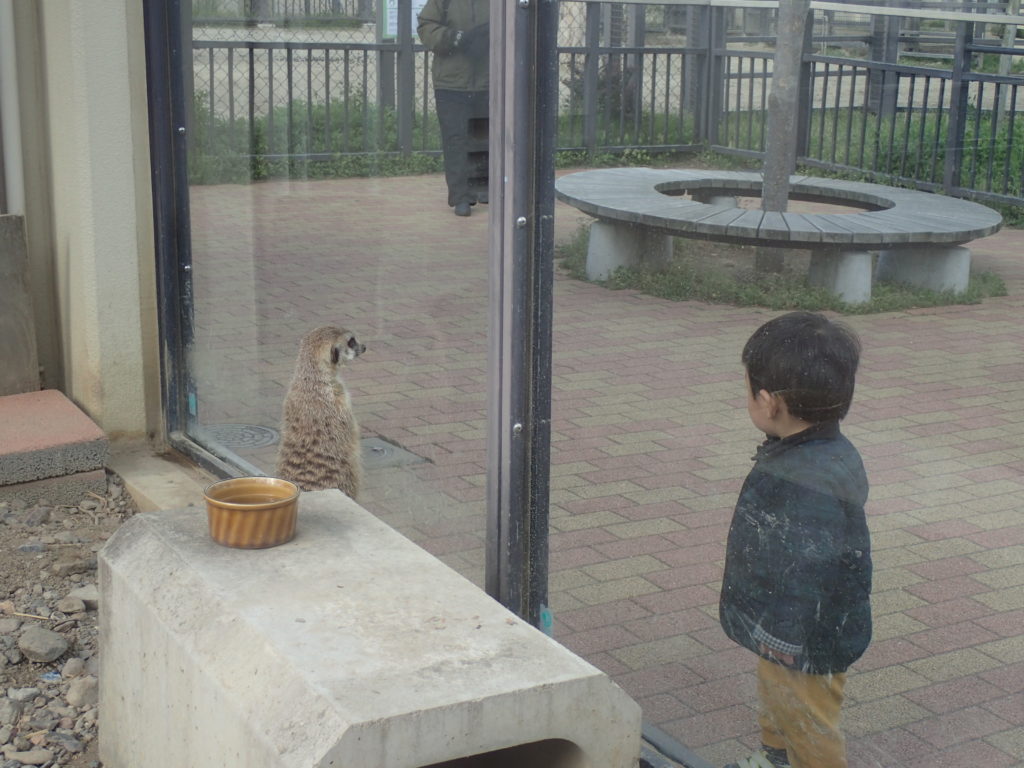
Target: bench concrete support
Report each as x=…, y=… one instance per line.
x=846, y=273
x=613, y=245
x=348, y=646
x=934, y=267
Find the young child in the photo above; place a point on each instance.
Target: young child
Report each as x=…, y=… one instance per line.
x=797, y=583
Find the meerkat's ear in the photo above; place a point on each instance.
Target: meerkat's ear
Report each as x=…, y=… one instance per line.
x=335, y=354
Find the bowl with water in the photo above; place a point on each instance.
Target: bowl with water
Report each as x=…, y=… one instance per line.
x=252, y=512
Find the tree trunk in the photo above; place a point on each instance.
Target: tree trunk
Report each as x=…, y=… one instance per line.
x=783, y=100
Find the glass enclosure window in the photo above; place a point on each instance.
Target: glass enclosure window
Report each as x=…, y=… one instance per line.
x=317, y=198
x=651, y=438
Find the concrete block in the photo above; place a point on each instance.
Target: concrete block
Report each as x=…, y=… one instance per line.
x=65, y=490
x=933, y=267
x=43, y=434
x=20, y=369
x=613, y=245
x=348, y=646
x=845, y=273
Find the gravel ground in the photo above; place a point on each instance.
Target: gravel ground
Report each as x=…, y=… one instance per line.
x=48, y=635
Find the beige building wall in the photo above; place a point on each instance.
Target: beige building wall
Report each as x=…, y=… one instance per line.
x=89, y=206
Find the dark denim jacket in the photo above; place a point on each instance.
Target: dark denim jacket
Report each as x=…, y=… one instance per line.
x=798, y=561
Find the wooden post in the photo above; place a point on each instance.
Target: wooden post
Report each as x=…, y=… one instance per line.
x=783, y=101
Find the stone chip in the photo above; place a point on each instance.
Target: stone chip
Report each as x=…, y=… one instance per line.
x=40, y=644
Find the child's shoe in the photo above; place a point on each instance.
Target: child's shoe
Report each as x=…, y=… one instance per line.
x=766, y=757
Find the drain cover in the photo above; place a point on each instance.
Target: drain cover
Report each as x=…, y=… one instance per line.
x=236, y=436
x=379, y=453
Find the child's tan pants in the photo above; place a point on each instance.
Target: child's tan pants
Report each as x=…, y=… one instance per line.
x=800, y=713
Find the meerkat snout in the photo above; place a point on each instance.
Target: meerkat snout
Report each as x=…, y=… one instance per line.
x=320, y=446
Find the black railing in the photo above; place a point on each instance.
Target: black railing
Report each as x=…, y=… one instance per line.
x=628, y=83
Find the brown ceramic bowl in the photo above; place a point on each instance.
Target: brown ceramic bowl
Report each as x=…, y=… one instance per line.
x=252, y=512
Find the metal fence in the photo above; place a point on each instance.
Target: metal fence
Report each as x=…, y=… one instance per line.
x=900, y=99
x=887, y=115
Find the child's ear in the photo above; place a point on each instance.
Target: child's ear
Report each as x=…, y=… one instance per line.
x=769, y=402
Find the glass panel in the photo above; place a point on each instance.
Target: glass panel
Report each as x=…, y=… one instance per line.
x=652, y=439
x=318, y=199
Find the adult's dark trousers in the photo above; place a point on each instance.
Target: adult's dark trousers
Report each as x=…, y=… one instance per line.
x=459, y=113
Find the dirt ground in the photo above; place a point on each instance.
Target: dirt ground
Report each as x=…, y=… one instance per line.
x=48, y=713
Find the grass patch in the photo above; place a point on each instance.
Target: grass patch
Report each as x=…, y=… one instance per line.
x=723, y=274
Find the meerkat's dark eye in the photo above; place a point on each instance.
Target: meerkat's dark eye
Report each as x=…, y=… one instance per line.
x=352, y=343
x=335, y=355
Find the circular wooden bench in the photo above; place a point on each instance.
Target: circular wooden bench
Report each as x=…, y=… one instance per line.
x=919, y=236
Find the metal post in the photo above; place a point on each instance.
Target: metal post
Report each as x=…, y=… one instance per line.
x=1006, y=62
x=172, y=229
x=883, y=84
x=591, y=60
x=188, y=78
x=956, y=127
x=634, y=74
x=692, y=68
x=715, y=85
x=805, y=90
x=406, y=76
x=524, y=83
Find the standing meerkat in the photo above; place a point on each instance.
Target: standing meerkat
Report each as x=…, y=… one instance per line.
x=320, y=436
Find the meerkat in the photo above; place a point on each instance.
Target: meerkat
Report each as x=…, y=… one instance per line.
x=320, y=435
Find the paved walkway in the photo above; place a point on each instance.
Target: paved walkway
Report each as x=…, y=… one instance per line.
x=650, y=443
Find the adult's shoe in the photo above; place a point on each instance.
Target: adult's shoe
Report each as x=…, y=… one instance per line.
x=462, y=209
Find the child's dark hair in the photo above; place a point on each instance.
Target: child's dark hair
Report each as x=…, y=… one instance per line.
x=807, y=360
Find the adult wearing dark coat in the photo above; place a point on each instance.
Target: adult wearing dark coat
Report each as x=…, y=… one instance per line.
x=457, y=32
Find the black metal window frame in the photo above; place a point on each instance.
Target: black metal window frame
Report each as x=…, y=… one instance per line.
x=521, y=276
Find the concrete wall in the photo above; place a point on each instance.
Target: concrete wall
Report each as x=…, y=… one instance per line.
x=88, y=205
x=36, y=189
x=20, y=369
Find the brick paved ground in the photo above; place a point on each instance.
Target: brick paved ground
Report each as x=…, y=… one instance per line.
x=650, y=443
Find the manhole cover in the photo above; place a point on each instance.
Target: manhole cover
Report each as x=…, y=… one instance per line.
x=379, y=453
x=243, y=435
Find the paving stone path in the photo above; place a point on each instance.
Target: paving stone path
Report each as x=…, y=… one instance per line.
x=650, y=443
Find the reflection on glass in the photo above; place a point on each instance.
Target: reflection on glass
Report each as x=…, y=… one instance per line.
x=652, y=438
x=318, y=199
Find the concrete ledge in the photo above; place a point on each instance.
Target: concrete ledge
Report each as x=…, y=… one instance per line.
x=43, y=434
x=157, y=481
x=349, y=646
x=67, y=489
